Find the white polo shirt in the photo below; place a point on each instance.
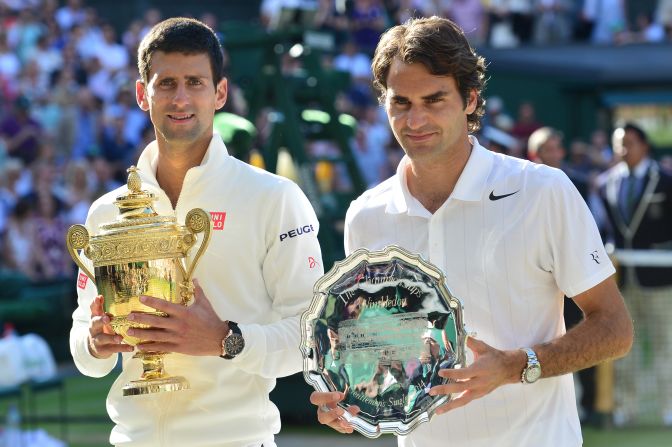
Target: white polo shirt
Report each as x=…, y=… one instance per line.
x=513, y=238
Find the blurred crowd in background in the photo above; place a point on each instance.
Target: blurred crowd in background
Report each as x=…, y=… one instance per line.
x=69, y=124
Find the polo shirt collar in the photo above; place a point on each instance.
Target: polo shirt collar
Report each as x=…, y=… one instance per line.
x=470, y=186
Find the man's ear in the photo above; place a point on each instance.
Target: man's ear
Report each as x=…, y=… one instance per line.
x=471, y=103
x=222, y=93
x=141, y=95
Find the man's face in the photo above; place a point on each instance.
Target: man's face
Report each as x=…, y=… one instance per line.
x=629, y=147
x=181, y=97
x=551, y=153
x=425, y=111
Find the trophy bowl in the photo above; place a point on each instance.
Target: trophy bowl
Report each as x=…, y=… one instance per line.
x=380, y=327
x=141, y=253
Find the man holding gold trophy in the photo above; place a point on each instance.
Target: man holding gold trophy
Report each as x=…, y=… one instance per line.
x=226, y=337
x=511, y=237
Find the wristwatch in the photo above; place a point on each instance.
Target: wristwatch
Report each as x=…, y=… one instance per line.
x=532, y=370
x=233, y=343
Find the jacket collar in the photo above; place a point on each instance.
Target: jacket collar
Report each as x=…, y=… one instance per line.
x=148, y=161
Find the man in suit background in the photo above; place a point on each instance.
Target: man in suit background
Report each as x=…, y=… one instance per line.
x=637, y=197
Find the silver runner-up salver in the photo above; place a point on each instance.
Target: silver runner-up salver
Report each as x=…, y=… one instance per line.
x=380, y=327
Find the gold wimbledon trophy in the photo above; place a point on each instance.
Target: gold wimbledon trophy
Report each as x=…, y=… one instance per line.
x=142, y=253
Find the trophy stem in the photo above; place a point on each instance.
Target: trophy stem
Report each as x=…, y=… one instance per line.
x=154, y=378
x=152, y=366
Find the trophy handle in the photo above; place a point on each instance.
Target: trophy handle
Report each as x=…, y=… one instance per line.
x=198, y=221
x=78, y=239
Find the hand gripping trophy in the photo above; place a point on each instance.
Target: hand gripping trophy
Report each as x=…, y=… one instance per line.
x=141, y=253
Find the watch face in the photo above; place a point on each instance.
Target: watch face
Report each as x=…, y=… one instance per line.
x=532, y=373
x=234, y=344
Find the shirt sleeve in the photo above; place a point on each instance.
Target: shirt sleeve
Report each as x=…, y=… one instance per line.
x=350, y=243
x=290, y=269
x=579, y=260
x=86, y=363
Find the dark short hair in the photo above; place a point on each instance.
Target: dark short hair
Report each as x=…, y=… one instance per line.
x=181, y=35
x=440, y=45
x=632, y=127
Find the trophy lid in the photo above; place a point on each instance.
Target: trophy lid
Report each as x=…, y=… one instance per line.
x=136, y=207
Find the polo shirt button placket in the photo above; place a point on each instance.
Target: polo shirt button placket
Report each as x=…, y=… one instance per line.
x=435, y=240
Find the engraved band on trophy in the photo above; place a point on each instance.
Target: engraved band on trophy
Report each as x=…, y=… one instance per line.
x=380, y=327
x=142, y=253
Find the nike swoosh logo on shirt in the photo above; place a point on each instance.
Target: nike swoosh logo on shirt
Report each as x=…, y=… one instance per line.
x=493, y=197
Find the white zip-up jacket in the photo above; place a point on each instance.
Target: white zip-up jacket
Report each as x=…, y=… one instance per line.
x=258, y=271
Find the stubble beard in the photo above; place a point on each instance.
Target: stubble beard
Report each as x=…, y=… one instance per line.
x=173, y=135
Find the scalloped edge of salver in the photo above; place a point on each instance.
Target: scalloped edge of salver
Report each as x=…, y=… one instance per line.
x=318, y=303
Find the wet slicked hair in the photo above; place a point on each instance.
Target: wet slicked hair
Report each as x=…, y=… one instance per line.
x=440, y=45
x=181, y=35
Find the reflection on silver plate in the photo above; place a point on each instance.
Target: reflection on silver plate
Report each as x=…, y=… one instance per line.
x=380, y=327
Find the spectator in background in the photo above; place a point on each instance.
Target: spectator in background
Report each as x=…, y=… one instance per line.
x=358, y=65
x=18, y=241
x=371, y=140
x=49, y=226
x=21, y=132
x=11, y=171
x=135, y=120
x=10, y=65
x=132, y=36
x=24, y=33
x=112, y=55
x=546, y=146
x=647, y=30
x=367, y=22
x=115, y=147
x=332, y=18
x=664, y=16
x=78, y=193
x=525, y=123
x=104, y=177
x=33, y=84
x=88, y=125
x=471, y=16
x=152, y=17
x=600, y=150
x=496, y=115
x=607, y=18
x=47, y=57
x=522, y=19
x=552, y=25
x=666, y=163
x=500, y=30
x=71, y=14
x=637, y=197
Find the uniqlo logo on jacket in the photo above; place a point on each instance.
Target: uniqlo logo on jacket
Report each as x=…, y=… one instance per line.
x=81, y=281
x=218, y=218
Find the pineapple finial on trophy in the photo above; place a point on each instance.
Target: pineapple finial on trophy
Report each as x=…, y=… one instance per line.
x=134, y=183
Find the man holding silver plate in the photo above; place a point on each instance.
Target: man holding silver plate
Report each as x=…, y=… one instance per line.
x=512, y=239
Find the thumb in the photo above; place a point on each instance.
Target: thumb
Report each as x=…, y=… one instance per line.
x=198, y=291
x=199, y=295
x=477, y=346
x=97, y=306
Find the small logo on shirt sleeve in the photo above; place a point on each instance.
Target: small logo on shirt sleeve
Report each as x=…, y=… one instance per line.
x=82, y=280
x=312, y=263
x=218, y=218
x=596, y=257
